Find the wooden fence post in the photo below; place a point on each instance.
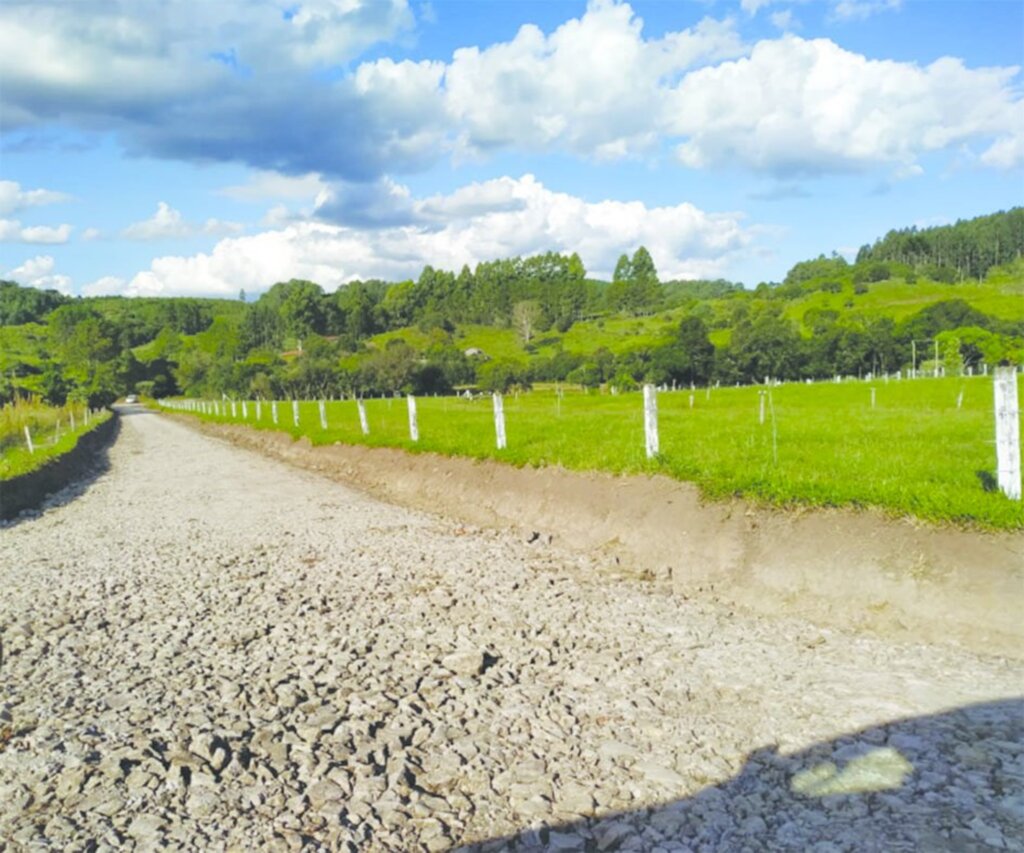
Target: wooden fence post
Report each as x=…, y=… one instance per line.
x=499, y=420
x=363, y=423
x=414, y=429
x=650, y=421
x=1007, y=432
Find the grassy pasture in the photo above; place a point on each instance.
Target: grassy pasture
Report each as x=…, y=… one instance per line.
x=51, y=432
x=915, y=453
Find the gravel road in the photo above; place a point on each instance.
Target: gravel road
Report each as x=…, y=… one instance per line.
x=208, y=649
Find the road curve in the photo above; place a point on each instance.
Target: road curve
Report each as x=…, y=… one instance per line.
x=208, y=649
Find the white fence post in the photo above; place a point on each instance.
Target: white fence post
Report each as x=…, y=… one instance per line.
x=414, y=429
x=323, y=414
x=28, y=440
x=1007, y=432
x=651, y=421
x=363, y=423
x=295, y=412
x=499, y=420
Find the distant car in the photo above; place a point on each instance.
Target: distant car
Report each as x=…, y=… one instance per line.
x=131, y=398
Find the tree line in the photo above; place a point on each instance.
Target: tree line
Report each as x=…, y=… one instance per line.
x=296, y=340
x=967, y=249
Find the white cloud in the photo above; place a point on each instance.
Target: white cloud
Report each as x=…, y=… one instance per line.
x=594, y=86
x=12, y=231
x=1005, y=153
x=263, y=184
x=189, y=82
x=13, y=198
x=493, y=219
x=783, y=20
x=38, y=272
x=168, y=223
x=108, y=285
x=858, y=10
x=799, y=106
x=842, y=10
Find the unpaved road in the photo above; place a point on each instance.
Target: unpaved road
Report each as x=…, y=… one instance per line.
x=210, y=649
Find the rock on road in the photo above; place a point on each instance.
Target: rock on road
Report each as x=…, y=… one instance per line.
x=209, y=649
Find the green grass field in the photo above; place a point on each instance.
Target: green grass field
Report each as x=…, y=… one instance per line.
x=50, y=428
x=915, y=453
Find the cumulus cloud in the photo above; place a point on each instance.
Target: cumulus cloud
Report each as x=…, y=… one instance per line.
x=594, y=86
x=279, y=95
x=168, y=223
x=800, y=106
x=13, y=198
x=39, y=272
x=482, y=221
x=12, y=231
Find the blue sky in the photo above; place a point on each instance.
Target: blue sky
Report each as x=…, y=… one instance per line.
x=199, y=148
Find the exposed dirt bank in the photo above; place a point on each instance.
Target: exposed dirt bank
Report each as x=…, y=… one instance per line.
x=28, y=491
x=852, y=569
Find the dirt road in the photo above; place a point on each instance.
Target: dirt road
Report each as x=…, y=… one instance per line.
x=210, y=649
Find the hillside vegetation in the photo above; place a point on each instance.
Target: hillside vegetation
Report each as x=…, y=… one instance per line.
x=513, y=322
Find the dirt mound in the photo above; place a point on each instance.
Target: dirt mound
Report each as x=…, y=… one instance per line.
x=847, y=568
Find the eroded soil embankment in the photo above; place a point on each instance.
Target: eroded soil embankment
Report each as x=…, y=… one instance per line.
x=841, y=567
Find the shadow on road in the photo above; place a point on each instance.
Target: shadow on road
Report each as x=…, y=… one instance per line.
x=944, y=782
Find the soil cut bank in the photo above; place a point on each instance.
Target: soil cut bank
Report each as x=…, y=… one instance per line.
x=28, y=491
x=854, y=569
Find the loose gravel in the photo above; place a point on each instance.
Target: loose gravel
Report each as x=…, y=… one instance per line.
x=210, y=650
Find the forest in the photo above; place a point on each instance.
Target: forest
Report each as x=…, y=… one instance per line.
x=954, y=292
